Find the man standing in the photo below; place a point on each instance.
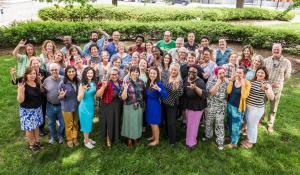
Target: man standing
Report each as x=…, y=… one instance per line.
x=167, y=43
x=175, y=51
x=111, y=47
x=67, y=40
x=95, y=40
x=138, y=46
x=191, y=45
x=279, y=69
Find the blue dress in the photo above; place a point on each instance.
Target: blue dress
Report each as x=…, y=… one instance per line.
x=86, y=109
x=153, y=106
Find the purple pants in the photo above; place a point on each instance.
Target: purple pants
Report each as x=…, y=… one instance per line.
x=192, y=121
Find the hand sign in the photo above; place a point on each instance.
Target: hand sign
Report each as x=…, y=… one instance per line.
x=13, y=70
x=192, y=86
x=83, y=87
x=62, y=93
x=126, y=85
x=22, y=42
x=264, y=87
x=155, y=86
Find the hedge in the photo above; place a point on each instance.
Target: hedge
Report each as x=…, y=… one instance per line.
x=39, y=31
x=155, y=14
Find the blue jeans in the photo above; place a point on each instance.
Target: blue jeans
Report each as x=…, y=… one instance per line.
x=54, y=113
x=235, y=123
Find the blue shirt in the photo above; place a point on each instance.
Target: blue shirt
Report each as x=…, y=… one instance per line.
x=222, y=58
x=111, y=49
x=99, y=42
x=65, y=51
x=235, y=96
x=69, y=103
x=250, y=74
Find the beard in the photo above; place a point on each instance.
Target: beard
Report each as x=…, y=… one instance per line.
x=94, y=39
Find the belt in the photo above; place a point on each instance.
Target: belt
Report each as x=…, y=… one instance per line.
x=53, y=104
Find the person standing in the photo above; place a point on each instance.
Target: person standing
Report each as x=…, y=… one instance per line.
x=279, y=69
x=222, y=53
x=155, y=91
x=191, y=45
x=86, y=94
x=167, y=43
x=94, y=39
x=31, y=117
x=216, y=105
x=194, y=102
x=238, y=90
x=68, y=90
x=50, y=86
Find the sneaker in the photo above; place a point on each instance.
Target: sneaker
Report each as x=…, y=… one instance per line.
x=89, y=145
x=204, y=139
x=34, y=148
x=51, y=141
x=92, y=141
x=60, y=140
x=220, y=147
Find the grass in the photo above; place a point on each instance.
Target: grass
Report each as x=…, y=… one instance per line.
x=273, y=154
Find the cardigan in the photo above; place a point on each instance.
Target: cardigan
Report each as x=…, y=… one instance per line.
x=244, y=93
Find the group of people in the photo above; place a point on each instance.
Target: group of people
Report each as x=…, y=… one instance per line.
x=146, y=85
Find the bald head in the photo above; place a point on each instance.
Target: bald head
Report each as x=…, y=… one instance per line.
x=54, y=70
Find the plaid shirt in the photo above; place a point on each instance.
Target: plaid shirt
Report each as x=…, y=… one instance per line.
x=278, y=71
x=135, y=92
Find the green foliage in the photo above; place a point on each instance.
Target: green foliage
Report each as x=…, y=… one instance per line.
x=258, y=37
x=155, y=14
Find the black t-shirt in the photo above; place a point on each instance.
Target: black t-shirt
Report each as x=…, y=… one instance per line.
x=33, y=97
x=191, y=99
x=191, y=47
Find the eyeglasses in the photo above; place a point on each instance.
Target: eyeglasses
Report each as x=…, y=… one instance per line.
x=52, y=70
x=114, y=74
x=192, y=72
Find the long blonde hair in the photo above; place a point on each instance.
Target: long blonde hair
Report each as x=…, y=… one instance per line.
x=177, y=67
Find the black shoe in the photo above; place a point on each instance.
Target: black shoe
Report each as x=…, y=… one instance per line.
x=39, y=145
x=43, y=132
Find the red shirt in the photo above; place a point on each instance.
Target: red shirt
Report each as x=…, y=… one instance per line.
x=246, y=63
x=108, y=94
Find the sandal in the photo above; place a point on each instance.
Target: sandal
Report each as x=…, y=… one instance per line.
x=270, y=129
x=247, y=145
x=33, y=148
x=231, y=146
x=39, y=145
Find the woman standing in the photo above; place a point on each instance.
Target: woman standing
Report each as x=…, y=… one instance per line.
x=68, y=90
x=86, y=94
x=194, y=98
x=207, y=64
x=239, y=91
x=23, y=59
x=132, y=93
x=154, y=93
x=216, y=105
x=31, y=117
x=174, y=87
x=103, y=66
x=48, y=51
x=247, y=54
x=110, y=107
x=257, y=62
x=148, y=52
x=157, y=56
x=166, y=61
x=143, y=66
x=125, y=57
x=260, y=88
x=59, y=59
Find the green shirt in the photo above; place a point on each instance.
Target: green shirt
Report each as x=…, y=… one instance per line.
x=166, y=46
x=23, y=62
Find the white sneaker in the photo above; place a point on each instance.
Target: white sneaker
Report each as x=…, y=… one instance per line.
x=92, y=141
x=60, y=140
x=220, y=148
x=51, y=141
x=89, y=145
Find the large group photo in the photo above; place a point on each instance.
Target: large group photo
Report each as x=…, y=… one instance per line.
x=144, y=97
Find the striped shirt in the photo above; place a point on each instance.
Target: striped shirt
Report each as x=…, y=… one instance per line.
x=257, y=96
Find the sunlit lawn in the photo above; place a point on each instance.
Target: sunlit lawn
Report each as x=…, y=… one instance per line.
x=274, y=154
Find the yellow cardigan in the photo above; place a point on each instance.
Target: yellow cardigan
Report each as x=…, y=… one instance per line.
x=244, y=94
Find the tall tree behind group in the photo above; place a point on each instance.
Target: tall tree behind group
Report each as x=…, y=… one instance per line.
x=240, y=3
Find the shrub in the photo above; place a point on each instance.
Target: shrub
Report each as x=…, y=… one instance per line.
x=37, y=32
x=155, y=14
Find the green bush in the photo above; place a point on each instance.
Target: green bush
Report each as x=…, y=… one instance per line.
x=37, y=32
x=155, y=14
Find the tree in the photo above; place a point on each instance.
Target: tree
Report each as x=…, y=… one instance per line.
x=296, y=4
x=114, y=2
x=240, y=3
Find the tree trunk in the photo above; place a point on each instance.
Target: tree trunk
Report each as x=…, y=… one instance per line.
x=115, y=2
x=240, y=3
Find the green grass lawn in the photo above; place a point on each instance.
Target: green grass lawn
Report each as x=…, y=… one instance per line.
x=278, y=153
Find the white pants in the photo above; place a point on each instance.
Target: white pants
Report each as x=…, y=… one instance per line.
x=253, y=115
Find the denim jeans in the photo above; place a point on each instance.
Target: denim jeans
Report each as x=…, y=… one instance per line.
x=54, y=113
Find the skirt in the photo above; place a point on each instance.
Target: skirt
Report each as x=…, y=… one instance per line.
x=31, y=118
x=132, y=122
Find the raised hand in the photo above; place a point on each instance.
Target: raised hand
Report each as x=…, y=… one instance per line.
x=192, y=86
x=13, y=71
x=21, y=86
x=62, y=93
x=126, y=85
x=155, y=86
x=22, y=43
x=83, y=87
x=264, y=87
x=205, y=75
x=219, y=81
x=41, y=77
